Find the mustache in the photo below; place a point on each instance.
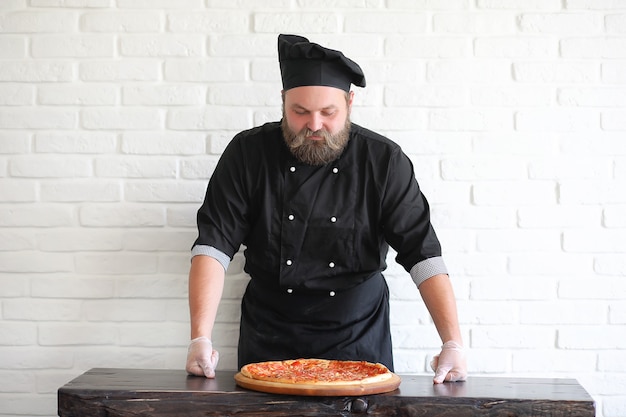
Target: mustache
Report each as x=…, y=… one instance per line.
x=300, y=139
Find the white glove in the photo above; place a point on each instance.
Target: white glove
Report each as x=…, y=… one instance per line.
x=201, y=358
x=450, y=364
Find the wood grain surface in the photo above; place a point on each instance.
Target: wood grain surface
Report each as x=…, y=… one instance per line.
x=113, y=392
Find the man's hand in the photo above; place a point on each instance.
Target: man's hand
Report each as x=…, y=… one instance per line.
x=201, y=358
x=450, y=364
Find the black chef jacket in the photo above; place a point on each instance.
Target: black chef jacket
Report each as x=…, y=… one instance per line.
x=316, y=240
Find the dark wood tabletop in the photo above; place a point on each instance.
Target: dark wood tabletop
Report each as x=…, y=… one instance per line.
x=150, y=392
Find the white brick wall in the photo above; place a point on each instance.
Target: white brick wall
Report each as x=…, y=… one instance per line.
x=113, y=114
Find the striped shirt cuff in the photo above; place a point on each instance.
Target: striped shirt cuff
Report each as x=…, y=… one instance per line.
x=428, y=268
x=216, y=254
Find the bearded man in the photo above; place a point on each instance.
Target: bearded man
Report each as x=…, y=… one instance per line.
x=316, y=201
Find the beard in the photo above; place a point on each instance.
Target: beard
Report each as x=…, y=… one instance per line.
x=316, y=152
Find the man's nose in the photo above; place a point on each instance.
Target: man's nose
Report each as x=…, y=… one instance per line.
x=315, y=122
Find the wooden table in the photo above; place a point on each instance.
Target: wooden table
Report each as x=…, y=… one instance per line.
x=148, y=392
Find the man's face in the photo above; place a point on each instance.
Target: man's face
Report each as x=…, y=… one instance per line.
x=316, y=122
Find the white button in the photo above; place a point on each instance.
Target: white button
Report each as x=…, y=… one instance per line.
x=332, y=293
x=289, y=290
x=332, y=264
x=335, y=170
x=333, y=219
x=292, y=169
x=291, y=217
x=289, y=262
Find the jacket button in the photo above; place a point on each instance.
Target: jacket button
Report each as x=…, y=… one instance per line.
x=331, y=265
x=332, y=293
x=289, y=290
x=291, y=217
x=335, y=170
x=289, y=262
x=333, y=219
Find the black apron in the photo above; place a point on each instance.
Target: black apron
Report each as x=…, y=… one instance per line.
x=351, y=324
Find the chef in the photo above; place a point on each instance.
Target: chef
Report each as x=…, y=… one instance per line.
x=316, y=201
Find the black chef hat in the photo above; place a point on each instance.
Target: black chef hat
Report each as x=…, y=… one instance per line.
x=306, y=63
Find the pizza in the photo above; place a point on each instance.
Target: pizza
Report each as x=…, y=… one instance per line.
x=317, y=372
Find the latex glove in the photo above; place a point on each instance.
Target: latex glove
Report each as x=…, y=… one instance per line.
x=450, y=364
x=201, y=358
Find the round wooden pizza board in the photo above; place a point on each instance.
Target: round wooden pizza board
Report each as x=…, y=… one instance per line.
x=319, y=389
